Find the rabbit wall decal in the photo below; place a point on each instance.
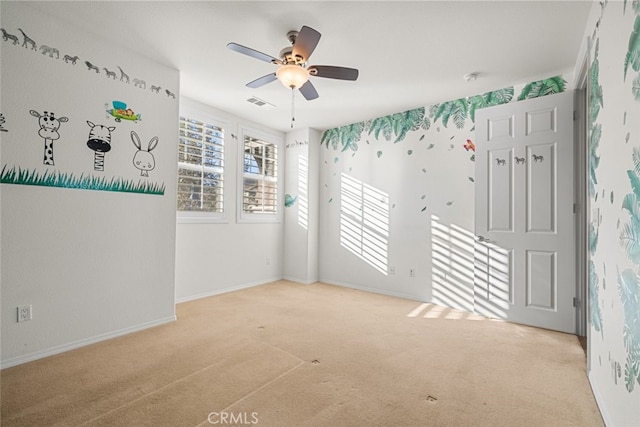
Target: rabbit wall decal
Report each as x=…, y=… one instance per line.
x=143, y=159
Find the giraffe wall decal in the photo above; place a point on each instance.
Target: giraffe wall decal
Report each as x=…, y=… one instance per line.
x=48, y=131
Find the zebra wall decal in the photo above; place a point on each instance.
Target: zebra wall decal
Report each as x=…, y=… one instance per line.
x=100, y=142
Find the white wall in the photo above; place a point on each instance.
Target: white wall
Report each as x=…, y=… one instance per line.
x=221, y=256
x=397, y=172
x=301, y=238
x=415, y=207
x=93, y=264
x=614, y=286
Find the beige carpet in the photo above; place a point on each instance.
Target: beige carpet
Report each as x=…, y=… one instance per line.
x=286, y=354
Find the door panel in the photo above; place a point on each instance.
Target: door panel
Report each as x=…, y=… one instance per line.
x=542, y=120
x=493, y=285
x=541, y=280
x=541, y=186
x=525, y=263
x=500, y=196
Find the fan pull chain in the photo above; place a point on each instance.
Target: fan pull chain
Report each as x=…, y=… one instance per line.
x=293, y=104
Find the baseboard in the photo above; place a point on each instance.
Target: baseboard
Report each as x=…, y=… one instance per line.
x=600, y=402
x=30, y=357
x=374, y=290
x=298, y=280
x=226, y=290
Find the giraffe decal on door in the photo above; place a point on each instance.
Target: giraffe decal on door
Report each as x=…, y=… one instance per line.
x=48, y=131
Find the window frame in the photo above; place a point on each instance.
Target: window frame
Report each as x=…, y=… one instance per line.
x=277, y=141
x=199, y=112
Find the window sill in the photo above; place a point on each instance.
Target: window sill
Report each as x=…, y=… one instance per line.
x=194, y=218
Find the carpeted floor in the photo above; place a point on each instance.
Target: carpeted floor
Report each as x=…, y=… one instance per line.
x=285, y=354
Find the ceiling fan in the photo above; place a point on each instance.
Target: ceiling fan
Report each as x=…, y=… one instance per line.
x=292, y=70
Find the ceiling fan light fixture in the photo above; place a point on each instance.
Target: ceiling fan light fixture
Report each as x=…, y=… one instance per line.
x=292, y=76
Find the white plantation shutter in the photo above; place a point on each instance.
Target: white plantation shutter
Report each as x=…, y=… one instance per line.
x=200, y=167
x=260, y=177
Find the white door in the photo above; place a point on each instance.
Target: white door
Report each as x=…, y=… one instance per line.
x=524, y=255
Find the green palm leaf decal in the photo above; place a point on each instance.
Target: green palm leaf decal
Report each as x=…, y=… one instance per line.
x=543, y=87
x=630, y=239
x=488, y=99
x=455, y=110
x=350, y=135
x=399, y=124
x=410, y=120
x=381, y=124
x=635, y=88
x=633, y=51
x=330, y=137
x=498, y=97
x=594, y=302
x=345, y=136
x=593, y=238
x=475, y=103
x=596, y=98
x=631, y=372
x=433, y=109
x=594, y=158
x=635, y=183
x=630, y=235
x=629, y=292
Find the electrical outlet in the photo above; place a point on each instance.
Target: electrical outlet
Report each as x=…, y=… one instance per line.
x=392, y=270
x=268, y=261
x=412, y=272
x=24, y=313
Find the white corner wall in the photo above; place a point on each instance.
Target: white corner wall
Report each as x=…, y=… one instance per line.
x=301, y=238
x=221, y=256
x=93, y=262
x=613, y=206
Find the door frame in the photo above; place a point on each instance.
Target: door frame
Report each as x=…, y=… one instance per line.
x=580, y=197
x=583, y=218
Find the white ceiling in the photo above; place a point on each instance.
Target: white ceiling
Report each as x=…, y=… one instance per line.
x=410, y=54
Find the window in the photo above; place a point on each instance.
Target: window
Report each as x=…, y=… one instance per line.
x=200, y=191
x=259, y=178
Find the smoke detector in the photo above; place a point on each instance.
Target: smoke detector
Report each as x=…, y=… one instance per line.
x=471, y=77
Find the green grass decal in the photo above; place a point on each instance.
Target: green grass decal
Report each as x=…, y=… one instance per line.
x=68, y=180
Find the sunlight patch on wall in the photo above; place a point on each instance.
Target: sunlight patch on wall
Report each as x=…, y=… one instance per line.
x=493, y=284
x=364, y=222
x=303, y=185
x=452, y=249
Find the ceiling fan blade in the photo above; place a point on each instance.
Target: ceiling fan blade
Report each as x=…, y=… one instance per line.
x=262, y=80
x=252, y=53
x=306, y=42
x=332, y=72
x=308, y=91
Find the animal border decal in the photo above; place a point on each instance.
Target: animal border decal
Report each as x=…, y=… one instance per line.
x=51, y=129
x=72, y=59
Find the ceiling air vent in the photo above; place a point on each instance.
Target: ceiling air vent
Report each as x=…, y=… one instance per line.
x=260, y=102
